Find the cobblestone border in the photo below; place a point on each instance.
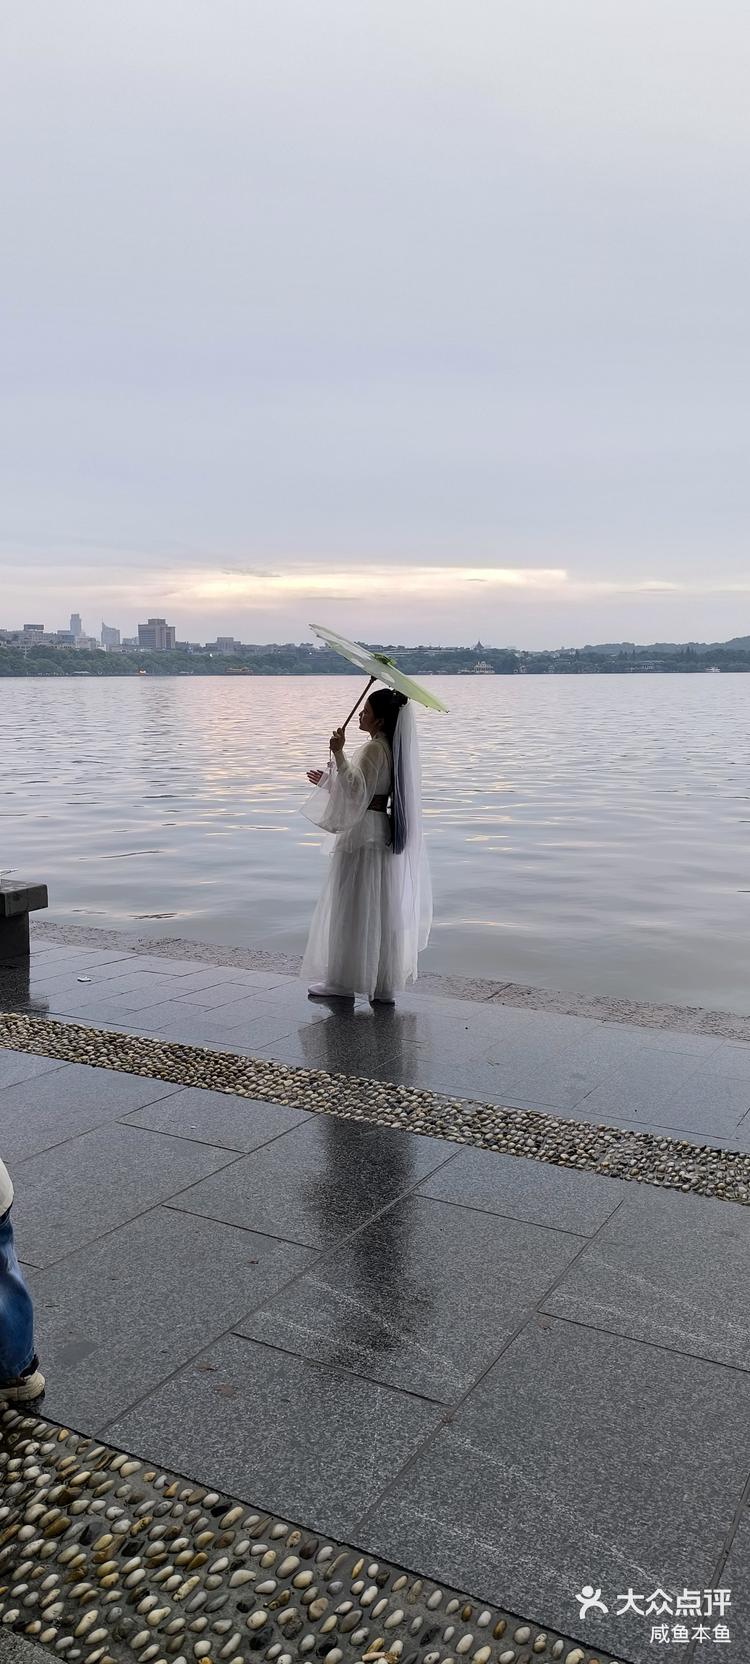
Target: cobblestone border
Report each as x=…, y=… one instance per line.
x=670, y=1163
x=104, y=1559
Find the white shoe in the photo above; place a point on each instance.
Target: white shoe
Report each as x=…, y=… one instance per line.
x=24, y=1388
x=323, y=991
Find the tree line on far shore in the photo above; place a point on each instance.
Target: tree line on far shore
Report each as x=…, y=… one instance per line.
x=416, y=661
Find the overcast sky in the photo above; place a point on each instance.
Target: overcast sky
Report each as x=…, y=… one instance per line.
x=427, y=319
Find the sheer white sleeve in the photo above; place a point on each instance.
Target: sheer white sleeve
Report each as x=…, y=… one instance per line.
x=344, y=793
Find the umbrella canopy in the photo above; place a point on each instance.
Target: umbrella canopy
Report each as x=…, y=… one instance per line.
x=379, y=668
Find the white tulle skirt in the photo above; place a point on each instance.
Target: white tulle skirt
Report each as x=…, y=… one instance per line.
x=357, y=942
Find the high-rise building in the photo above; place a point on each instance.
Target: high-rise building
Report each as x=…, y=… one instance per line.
x=33, y=634
x=76, y=628
x=157, y=636
x=110, y=636
x=223, y=644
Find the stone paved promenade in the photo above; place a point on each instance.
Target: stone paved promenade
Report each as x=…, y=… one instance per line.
x=510, y=1376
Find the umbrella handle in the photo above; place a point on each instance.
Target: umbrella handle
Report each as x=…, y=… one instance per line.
x=360, y=701
x=355, y=708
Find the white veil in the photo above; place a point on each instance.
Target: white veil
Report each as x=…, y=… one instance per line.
x=409, y=865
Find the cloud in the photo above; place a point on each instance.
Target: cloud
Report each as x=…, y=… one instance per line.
x=363, y=583
x=249, y=572
x=200, y=592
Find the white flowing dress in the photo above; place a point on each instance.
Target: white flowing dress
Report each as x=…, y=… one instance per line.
x=371, y=921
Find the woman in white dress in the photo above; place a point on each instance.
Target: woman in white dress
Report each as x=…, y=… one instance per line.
x=373, y=918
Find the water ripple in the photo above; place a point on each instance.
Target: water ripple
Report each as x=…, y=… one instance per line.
x=586, y=833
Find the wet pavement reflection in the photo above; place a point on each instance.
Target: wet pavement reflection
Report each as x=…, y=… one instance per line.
x=387, y=1296
x=378, y=1044
x=17, y=993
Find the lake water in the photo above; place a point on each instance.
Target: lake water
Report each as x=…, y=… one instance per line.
x=586, y=833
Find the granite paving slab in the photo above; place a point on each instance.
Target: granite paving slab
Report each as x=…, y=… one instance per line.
x=616, y=1044
x=582, y=1458
x=301, y=1011
x=59, y=1104
x=100, y=1013
x=132, y=991
x=522, y=1051
x=76, y=959
x=472, y=1077
x=315, y=1444
x=564, y=1075
x=551, y=1083
x=670, y=1269
x=166, y=1284
x=735, y=1576
x=20, y=1066
x=149, y=985
x=170, y=1018
x=71, y=1000
x=247, y=1014
x=218, y=1118
x=79, y=1191
x=710, y=1117
x=536, y=1028
x=173, y=1021
x=191, y=1027
x=387, y=1064
x=708, y=1103
x=523, y=1189
x=222, y=993
x=424, y=1298
x=131, y=1558
x=16, y=1649
x=173, y=967
x=643, y=1086
x=73, y=980
x=316, y=1045
x=730, y=1061
x=318, y=1182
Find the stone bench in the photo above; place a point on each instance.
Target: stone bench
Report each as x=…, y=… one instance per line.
x=17, y=900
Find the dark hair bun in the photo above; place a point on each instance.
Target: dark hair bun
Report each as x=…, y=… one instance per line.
x=386, y=703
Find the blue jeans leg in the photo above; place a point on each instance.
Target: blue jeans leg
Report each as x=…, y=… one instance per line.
x=16, y=1312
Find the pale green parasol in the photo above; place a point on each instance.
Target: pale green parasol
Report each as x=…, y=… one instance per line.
x=379, y=668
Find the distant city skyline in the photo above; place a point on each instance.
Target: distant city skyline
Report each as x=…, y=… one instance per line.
x=426, y=322
x=157, y=634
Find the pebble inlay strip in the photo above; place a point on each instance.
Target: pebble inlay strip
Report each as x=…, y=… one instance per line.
x=671, y=1163
x=106, y=1560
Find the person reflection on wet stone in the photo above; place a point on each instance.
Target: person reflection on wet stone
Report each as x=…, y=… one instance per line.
x=378, y=1045
x=380, y=1301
